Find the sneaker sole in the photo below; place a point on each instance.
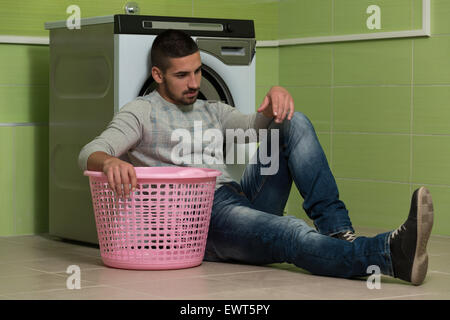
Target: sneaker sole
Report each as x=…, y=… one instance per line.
x=424, y=226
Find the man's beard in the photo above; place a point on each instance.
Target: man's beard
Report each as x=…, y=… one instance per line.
x=184, y=100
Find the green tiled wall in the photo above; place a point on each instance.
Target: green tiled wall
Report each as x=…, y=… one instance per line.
x=349, y=20
x=24, y=139
x=381, y=107
x=303, y=18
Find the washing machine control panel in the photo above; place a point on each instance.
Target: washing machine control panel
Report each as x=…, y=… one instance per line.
x=230, y=28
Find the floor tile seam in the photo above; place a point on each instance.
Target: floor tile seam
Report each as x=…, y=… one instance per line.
x=192, y=296
x=438, y=254
x=273, y=276
x=280, y=289
x=118, y=286
x=246, y=272
x=273, y=289
x=4, y=239
x=22, y=275
x=70, y=255
x=342, y=295
x=46, y=249
x=15, y=262
x=207, y=276
x=59, y=275
x=404, y=296
x=337, y=286
x=389, y=283
x=217, y=276
x=321, y=297
x=77, y=256
x=65, y=271
x=18, y=239
x=443, y=237
x=284, y=289
x=149, y=281
x=20, y=261
x=210, y=277
x=11, y=295
x=250, y=284
x=439, y=272
x=73, y=250
x=133, y=291
x=54, y=244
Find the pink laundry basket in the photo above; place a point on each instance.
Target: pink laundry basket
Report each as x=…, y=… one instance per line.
x=162, y=225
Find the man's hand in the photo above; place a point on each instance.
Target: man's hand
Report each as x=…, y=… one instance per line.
x=277, y=103
x=120, y=173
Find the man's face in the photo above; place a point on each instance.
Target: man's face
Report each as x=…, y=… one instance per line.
x=181, y=81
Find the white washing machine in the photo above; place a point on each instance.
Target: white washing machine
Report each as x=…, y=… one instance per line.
x=97, y=69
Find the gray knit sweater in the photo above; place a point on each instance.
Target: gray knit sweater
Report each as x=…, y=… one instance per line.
x=143, y=128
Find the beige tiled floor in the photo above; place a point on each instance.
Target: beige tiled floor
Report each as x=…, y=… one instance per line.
x=34, y=267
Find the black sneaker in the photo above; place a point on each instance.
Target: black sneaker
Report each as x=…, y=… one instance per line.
x=347, y=236
x=409, y=242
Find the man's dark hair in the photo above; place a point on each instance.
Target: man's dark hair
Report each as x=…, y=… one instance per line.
x=171, y=44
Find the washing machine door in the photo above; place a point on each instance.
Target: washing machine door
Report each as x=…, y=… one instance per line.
x=212, y=87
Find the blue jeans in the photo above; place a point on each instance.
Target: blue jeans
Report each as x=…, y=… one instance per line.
x=248, y=226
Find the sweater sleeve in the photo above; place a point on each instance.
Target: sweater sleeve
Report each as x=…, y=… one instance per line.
x=123, y=133
x=232, y=118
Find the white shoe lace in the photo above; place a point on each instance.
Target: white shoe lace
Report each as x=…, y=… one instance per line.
x=349, y=236
x=397, y=231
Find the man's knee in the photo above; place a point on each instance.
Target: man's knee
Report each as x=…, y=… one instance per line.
x=298, y=124
x=300, y=119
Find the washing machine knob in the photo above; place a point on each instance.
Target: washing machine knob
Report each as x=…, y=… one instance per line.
x=132, y=8
x=228, y=27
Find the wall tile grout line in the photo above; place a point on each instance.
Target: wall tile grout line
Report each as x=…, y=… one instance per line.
x=440, y=35
x=372, y=180
x=332, y=109
x=385, y=133
x=411, y=123
x=367, y=85
x=9, y=85
x=14, y=189
x=393, y=182
x=331, y=164
x=332, y=16
x=23, y=124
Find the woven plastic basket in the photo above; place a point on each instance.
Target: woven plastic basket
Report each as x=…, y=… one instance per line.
x=162, y=225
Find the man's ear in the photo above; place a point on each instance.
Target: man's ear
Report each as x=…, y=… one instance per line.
x=157, y=75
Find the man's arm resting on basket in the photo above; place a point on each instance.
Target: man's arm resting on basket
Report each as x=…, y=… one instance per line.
x=102, y=154
x=120, y=173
